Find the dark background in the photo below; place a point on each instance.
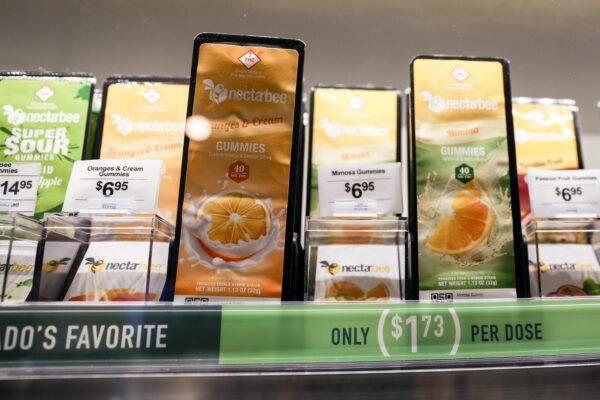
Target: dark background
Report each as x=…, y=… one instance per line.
x=553, y=46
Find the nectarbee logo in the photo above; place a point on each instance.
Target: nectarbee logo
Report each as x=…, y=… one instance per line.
x=332, y=268
x=334, y=129
x=94, y=265
x=218, y=93
x=53, y=265
x=98, y=265
x=16, y=116
x=335, y=268
x=125, y=125
x=565, y=266
x=16, y=267
x=438, y=104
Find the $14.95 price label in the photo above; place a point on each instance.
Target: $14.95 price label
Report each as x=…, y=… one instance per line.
x=18, y=187
x=114, y=186
x=360, y=190
x=401, y=333
x=564, y=193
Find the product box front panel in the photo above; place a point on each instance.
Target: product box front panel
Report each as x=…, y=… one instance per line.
x=146, y=119
x=366, y=272
x=119, y=271
x=44, y=119
x=235, y=200
x=565, y=269
x=466, y=233
x=351, y=126
x=546, y=137
x=16, y=283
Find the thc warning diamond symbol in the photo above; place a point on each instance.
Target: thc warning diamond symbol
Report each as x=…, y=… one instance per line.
x=238, y=172
x=249, y=59
x=356, y=102
x=460, y=74
x=44, y=93
x=152, y=96
x=464, y=173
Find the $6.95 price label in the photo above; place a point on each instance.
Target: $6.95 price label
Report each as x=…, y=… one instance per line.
x=114, y=186
x=364, y=190
x=567, y=193
x=357, y=189
x=556, y=194
x=109, y=188
x=405, y=333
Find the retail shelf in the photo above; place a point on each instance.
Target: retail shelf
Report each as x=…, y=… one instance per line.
x=542, y=382
x=136, y=338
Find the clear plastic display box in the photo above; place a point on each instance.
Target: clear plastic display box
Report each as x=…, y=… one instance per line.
x=104, y=257
x=563, y=257
x=355, y=259
x=19, y=247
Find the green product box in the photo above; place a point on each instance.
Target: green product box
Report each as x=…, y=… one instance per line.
x=464, y=196
x=44, y=118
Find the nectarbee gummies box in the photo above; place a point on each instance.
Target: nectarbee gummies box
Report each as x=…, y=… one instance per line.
x=238, y=198
x=44, y=118
x=464, y=196
x=144, y=117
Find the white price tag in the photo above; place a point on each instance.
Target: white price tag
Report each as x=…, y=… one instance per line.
x=360, y=190
x=114, y=186
x=559, y=194
x=18, y=187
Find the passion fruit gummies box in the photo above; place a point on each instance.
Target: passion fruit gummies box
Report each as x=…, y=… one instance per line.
x=238, y=195
x=144, y=117
x=546, y=137
x=351, y=126
x=44, y=118
x=463, y=184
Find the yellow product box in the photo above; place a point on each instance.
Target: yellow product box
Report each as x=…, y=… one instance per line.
x=351, y=126
x=144, y=118
x=238, y=198
x=546, y=137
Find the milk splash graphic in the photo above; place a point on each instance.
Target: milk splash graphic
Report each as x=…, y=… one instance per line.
x=196, y=228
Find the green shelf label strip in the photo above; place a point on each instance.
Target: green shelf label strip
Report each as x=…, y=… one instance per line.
x=272, y=334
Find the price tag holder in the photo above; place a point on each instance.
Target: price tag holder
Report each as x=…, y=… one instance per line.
x=18, y=187
x=360, y=190
x=114, y=186
x=563, y=194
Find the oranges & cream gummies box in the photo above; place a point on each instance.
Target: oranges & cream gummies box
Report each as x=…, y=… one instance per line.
x=237, y=201
x=144, y=117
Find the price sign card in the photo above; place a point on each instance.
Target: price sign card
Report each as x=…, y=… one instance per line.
x=114, y=186
x=18, y=187
x=559, y=194
x=360, y=190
